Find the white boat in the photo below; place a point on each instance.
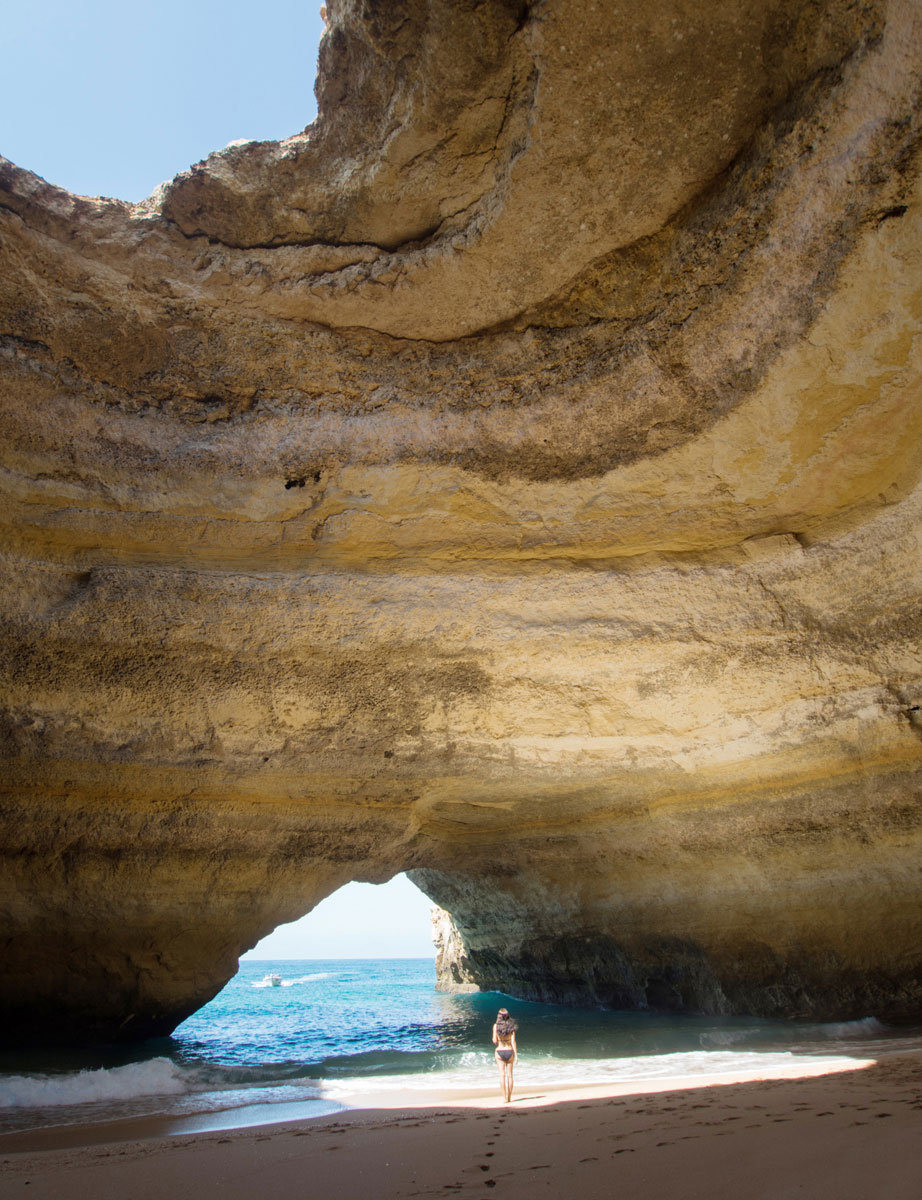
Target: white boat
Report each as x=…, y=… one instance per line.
x=272, y=980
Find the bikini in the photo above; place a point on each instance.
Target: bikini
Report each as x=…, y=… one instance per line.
x=505, y=1055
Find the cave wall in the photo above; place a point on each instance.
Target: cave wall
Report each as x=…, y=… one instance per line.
x=513, y=478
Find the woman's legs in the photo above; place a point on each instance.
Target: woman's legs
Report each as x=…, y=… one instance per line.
x=505, y=1077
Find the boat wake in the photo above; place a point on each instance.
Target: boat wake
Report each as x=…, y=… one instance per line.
x=278, y=981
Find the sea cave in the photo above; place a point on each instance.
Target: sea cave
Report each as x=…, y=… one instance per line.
x=512, y=479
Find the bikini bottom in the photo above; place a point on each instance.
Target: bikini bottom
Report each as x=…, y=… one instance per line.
x=505, y=1055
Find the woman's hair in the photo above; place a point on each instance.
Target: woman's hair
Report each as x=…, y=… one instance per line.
x=505, y=1026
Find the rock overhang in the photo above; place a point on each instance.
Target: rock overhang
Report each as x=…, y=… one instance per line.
x=524, y=462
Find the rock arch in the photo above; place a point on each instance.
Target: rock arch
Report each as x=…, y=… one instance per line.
x=512, y=479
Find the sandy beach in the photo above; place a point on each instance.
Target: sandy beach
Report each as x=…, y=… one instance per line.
x=851, y=1135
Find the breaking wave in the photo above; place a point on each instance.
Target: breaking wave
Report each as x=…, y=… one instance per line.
x=156, y=1077
x=866, y=1027
x=796, y=1034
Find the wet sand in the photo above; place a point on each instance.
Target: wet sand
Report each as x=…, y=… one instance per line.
x=853, y=1135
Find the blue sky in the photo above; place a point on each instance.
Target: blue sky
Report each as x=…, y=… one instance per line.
x=361, y=920
x=108, y=98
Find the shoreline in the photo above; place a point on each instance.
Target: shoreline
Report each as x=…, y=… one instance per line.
x=847, y=1135
x=343, y=1101
x=531, y=1095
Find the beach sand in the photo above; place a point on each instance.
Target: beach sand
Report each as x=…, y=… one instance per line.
x=852, y=1135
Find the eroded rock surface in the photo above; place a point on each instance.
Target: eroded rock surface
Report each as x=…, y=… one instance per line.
x=513, y=478
x=452, y=973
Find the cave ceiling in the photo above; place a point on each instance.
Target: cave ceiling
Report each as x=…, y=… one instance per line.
x=513, y=478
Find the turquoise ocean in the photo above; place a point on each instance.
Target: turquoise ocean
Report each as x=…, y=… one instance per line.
x=309, y=1041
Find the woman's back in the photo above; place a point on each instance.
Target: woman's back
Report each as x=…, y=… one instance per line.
x=504, y=1028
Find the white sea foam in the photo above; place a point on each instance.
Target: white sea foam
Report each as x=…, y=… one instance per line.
x=157, y=1077
x=478, y=1070
x=866, y=1027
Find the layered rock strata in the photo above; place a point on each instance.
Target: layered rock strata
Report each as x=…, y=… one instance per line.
x=514, y=479
x=452, y=973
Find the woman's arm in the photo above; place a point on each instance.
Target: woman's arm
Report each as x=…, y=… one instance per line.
x=495, y=1037
x=515, y=1050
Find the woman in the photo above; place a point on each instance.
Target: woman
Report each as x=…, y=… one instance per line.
x=506, y=1053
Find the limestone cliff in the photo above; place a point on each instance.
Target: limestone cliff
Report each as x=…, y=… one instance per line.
x=452, y=973
x=512, y=478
